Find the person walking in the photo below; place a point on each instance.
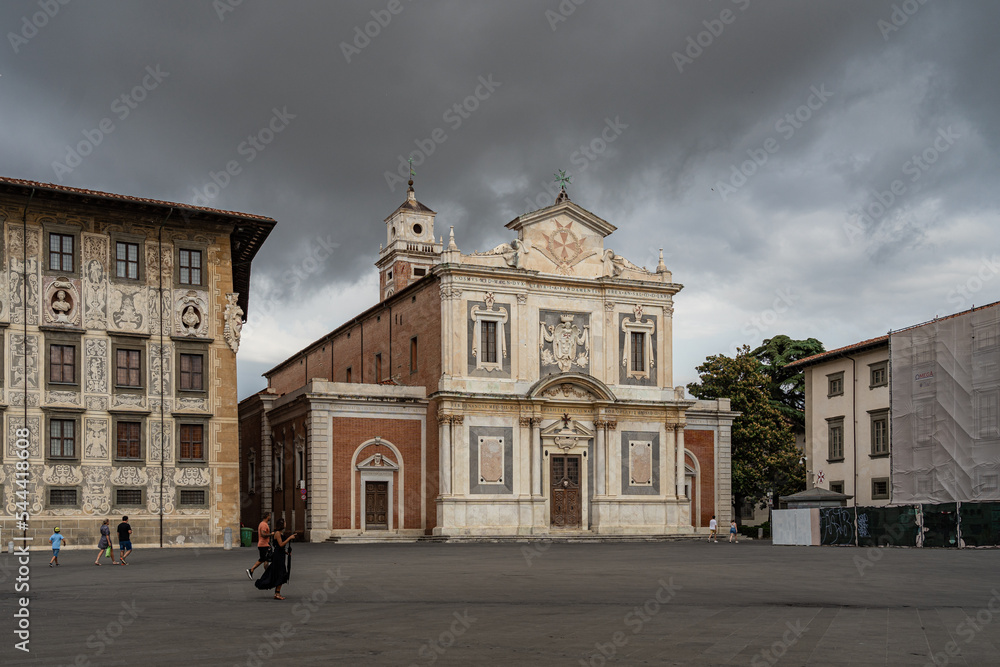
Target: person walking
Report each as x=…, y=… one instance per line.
x=713, y=530
x=263, y=544
x=124, y=540
x=105, y=543
x=57, y=539
x=733, y=535
x=276, y=573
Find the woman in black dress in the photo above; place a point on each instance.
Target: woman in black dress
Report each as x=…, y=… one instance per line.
x=277, y=572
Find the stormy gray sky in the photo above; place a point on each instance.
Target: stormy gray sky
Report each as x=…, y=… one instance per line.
x=823, y=169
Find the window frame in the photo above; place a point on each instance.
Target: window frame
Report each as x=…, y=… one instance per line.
x=202, y=505
x=62, y=417
x=62, y=366
x=128, y=243
x=182, y=422
x=184, y=347
x=66, y=339
x=49, y=505
x=129, y=344
x=888, y=488
x=876, y=416
x=142, y=496
x=128, y=417
x=190, y=267
x=832, y=425
x=347, y=374
x=62, y=229
x=378, y=367
x=839, y=483
x=831, y=389
x=881, y=366
x=61, y=252
x=190, y=246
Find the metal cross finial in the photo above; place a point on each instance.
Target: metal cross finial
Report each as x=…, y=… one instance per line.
x=412, y=173
x=565, y=420
x=562, y=179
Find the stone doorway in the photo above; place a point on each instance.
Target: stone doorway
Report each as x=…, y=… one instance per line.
x=566, y=495
x=376, y=505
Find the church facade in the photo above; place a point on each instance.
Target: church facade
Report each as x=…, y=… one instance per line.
x=524, y=390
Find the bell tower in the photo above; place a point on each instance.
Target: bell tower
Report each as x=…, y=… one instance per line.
x=410, y=249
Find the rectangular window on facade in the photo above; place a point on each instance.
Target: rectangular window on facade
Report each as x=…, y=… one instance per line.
x=880, y=434
x=417, y=273
x=879, y=374
x=192, y=442
x=128, y=496
x=378, y=367
x=128, y=440
x=347, y=375
x=987, y=411
x=837, y=487
x=189, y=263
x=489, y=341
x=190, y=374
x=63, y=497
x=836, y=440
x=127, y=260
x=192, y=497
x=413, y=354
x=62, y=364
x=638, y=351
x=62, y=438
x=835, y=384
x=251, y=477
x=61, y=252
x=880, y=489
x=128, y=365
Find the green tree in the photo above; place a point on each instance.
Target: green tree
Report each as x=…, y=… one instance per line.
x=786, y=388
x=764, y=456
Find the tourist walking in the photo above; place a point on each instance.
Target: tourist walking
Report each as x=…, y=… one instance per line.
x=276, y=573
x=263, y=544
x=105, y=543
x=57, y=539
x=713, y=530
x=124, y=540
x=733, y=535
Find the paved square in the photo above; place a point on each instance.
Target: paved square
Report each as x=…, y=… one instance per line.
x=662, y=603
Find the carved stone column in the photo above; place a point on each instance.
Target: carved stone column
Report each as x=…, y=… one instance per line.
x=679, y=470
x=600, y=462
x=536, y=456
x=444, y=454
x=609, y=426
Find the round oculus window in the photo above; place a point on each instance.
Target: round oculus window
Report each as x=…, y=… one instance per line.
x=418, y=229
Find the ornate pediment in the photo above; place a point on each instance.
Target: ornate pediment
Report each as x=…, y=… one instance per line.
x=567, y=433
x=378, y=461
x=569, y=391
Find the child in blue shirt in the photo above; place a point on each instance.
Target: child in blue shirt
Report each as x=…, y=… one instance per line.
x=57, y=540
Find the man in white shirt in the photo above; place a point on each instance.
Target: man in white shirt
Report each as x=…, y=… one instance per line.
x=713, y=527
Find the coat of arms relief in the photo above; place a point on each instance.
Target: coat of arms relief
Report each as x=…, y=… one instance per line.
x=568, y=343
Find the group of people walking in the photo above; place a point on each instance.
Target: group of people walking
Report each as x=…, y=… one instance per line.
x=273, y=549
x=105, y=545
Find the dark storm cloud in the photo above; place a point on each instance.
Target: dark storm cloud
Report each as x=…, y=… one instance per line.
x=291, y=110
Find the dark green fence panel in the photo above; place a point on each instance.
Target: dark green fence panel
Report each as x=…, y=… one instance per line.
x=940, y=525
x=836, y=525
x=980, y=524
x=887, y=526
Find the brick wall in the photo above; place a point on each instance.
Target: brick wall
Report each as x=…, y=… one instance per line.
x=702, y=445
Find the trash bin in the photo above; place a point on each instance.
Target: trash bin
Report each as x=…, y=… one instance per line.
x=246, y=537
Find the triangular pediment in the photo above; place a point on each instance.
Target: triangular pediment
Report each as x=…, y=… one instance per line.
x=378, y=462
x=573, y=428
x=563, y=238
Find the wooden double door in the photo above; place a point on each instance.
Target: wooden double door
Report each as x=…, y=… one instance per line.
x=566, y=491
x=376, y=505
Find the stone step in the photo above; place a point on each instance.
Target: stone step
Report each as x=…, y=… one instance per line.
x=562, y=537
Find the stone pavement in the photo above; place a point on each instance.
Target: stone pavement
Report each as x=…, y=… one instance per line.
x=667, y=603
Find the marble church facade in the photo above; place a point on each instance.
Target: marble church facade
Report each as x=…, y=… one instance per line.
x=523, y=390
x=120, y=319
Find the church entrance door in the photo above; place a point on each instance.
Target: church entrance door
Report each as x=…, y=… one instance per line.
x=566, y=495
x=376, y=505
